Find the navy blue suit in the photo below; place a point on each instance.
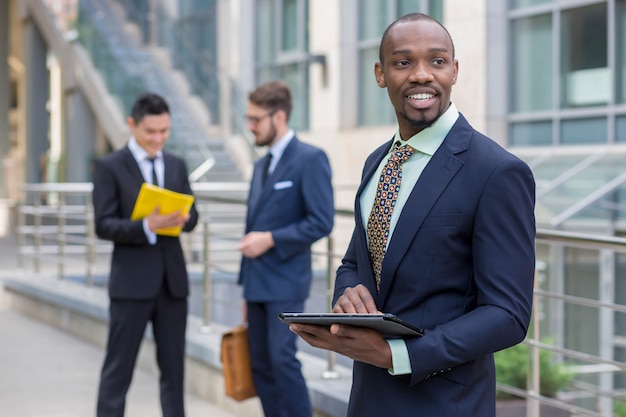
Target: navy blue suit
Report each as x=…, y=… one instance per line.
x=146, y=283
x=296, y=205
x=460, y=264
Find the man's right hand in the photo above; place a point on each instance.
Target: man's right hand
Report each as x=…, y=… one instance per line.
x=156, y=220
x=356, y=300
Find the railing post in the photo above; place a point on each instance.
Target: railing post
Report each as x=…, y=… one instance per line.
x=206, y=305
x=37, y=234
x=533, y=404
x=91, y=242
x=331, y=357
x=61, y=237
x=21, y=235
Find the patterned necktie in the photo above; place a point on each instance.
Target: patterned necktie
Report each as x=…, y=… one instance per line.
x=386, y=195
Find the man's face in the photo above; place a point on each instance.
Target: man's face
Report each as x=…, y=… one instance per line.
x=261, y=124
x=419, y=71
x=151, y=132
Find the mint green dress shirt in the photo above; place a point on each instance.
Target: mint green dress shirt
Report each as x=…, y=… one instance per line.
x=425, y=144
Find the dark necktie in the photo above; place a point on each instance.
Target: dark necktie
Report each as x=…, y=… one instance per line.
x=155, y=181
x=379, y=220
x=266, y=166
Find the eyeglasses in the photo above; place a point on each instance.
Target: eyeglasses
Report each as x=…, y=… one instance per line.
x=255, y=120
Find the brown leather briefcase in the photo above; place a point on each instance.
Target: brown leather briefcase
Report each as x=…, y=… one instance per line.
x=236, y=364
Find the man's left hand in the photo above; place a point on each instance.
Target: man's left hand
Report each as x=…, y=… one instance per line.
x=358, y=343
x=255, y=244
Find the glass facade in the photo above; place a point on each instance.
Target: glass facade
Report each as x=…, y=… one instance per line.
x=567, y=64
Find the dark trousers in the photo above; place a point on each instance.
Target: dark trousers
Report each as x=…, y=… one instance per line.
x=128, y=320
x=276, y=372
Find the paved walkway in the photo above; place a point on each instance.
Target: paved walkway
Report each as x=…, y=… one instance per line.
x=45, y=372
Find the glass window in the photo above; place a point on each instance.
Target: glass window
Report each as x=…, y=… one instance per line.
x=586, y=78
x=518, y=4
x=290, y=25
x=581, y=280
x=620, y=55
x=281, y=40
x=295, y=76
x=372, y=19
x=374, y=106
x=531, y=134
x=580, y=131
x=264, y=34
x=620, y=129
x=531, y=69
x=433, y=8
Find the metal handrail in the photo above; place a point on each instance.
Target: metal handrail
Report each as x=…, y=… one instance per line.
x=44, y=213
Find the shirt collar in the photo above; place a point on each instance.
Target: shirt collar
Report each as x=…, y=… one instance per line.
x=428, y=140
x=138, y=152
x=278, y=148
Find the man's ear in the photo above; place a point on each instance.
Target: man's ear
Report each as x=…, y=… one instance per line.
x=379, y=73
x=130, y=122
x=282, y=116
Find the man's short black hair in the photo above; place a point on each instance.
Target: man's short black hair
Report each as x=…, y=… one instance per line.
x=411, y=17
x=148, y=104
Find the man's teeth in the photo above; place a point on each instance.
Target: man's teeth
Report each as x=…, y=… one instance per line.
x=421, y=97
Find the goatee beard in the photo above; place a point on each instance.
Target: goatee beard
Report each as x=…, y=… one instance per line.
x=418, y=125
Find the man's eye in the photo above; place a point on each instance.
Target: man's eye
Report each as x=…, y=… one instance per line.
x=403, y=63
x=439, y=61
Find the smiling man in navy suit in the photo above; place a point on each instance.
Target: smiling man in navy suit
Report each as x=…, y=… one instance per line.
x=459, y=257
x=290, y=206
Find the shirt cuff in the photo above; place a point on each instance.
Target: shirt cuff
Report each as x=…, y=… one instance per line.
x=152, y=237
x=399, y=357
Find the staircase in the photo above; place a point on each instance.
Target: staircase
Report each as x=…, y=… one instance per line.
x=128, y=70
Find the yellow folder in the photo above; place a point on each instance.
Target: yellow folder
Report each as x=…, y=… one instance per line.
x=151, y=196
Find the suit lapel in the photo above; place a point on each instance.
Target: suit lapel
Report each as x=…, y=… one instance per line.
x=169, y=174
x=131, y=165
x=437, y=174
x=368, y=171
x=256, y=189
x=260, y=193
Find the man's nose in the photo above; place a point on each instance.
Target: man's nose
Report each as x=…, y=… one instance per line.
x=421, y=73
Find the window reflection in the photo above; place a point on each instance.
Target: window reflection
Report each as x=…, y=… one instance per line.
x=532, y=64
x=584, y=62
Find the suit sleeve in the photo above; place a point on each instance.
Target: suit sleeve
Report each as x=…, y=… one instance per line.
x=319, y=209
x=503, y=270
x=109, y=197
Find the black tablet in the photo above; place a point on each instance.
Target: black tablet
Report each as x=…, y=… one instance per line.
x=386, y=324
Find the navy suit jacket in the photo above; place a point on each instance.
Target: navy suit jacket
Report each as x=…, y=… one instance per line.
x=137, y=267
x=460, y=265
x=296, y=204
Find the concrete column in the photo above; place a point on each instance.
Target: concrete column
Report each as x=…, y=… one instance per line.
x=4, y=92
x=80, y=125
x=37, y=85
